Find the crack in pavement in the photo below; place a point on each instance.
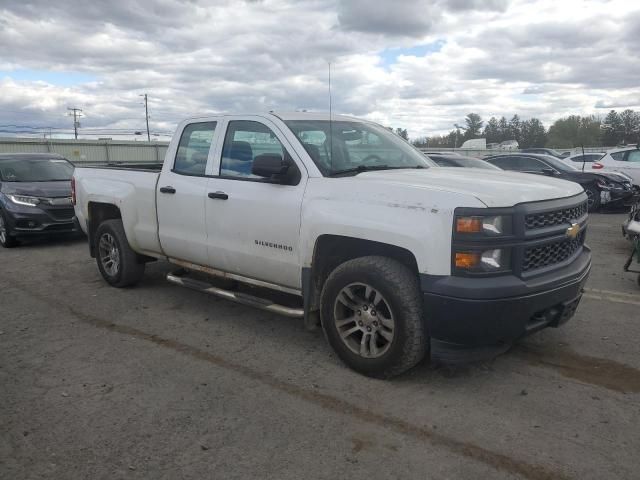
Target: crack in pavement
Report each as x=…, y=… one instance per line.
x=496, y=460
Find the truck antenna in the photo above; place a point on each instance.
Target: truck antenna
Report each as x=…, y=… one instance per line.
x=583, y=157
x=330, y=124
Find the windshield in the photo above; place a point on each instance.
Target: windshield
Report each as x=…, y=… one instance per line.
x=460, y=161
x=355, y=145
x=35, y=169
x=559, y=164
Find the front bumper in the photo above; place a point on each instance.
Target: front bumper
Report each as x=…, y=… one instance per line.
x=472, y=318
x=618, y=196
x=30, y=221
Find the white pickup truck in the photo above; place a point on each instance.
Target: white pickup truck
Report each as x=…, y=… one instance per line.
x=349, y=226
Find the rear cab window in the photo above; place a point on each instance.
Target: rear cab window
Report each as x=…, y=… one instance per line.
x=193, y=149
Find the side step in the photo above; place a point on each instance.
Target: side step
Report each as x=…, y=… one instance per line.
x=238, y=297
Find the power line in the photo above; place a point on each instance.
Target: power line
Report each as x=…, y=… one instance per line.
x=76, y=123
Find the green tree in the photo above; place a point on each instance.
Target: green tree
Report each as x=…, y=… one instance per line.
x=612, y=129
x=503, y=130
x=491, y=131
x=514, y=128
x=402, y=132
x=630, y=126
x=532, y=134
x=574, y=131
x=420, y=142
x=474, y=126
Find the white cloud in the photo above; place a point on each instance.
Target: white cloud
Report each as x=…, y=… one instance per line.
x=544, y=58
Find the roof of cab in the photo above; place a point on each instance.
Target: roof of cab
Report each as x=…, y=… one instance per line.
x=285, y=116
x=314, y=116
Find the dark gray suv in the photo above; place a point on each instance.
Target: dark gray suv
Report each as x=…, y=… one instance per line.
x=35, y=196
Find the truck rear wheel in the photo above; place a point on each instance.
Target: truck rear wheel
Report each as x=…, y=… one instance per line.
x=117, y=262
x=371, y=313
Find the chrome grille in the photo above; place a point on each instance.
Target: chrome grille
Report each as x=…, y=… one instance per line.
x=555, y=217
x=551, y=253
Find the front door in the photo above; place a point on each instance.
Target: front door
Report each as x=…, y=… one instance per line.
x=182, y=196
x=254, y=225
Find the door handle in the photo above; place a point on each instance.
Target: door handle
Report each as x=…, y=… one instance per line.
x=167, y=190
x=218, y=195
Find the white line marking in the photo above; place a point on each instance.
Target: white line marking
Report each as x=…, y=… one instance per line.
x=611, y=299
x=613, y=292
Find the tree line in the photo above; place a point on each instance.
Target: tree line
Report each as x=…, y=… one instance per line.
x=568, y=132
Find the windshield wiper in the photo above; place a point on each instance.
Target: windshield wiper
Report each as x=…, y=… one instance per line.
x=369, y=168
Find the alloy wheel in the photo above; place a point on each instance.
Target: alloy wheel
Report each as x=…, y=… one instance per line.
x=109, y=254
x=364, y=320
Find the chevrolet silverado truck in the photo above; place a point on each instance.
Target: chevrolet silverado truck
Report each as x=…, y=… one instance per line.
x=341, y=222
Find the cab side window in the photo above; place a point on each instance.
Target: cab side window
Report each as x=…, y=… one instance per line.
x=244, y=141
x=619, y=156
x=193, y=149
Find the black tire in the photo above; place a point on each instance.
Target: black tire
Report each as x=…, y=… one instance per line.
x=6, y=239
x=593, y=195
x=400, y=290
x=129, y=269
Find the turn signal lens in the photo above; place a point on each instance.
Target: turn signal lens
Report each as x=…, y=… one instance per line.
x=467, y=260
x=469, y=224
x=487, y=261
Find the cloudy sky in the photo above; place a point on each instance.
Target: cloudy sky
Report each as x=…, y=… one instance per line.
x=416, y=64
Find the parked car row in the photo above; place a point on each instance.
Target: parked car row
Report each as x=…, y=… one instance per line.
x=602, y=187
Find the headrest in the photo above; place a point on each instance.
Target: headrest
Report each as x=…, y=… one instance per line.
x=240, y=151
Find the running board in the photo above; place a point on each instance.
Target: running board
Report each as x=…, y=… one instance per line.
x=238, y=297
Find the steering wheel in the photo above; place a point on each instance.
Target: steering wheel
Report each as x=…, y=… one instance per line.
x=373, y=156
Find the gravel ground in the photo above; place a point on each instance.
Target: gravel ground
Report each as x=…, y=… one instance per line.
x=162, y=382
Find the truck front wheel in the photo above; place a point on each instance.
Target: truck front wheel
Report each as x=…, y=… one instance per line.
x=117, y=262
x=371, y=313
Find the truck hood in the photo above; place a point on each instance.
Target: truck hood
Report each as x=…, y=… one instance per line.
x=493, y=188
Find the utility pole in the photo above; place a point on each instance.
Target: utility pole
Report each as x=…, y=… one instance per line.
x=146, y=114
x=76, y=114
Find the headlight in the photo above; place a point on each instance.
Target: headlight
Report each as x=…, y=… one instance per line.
x=491, y=225
x=488, y=261
x=24, y=200
x=606, y=185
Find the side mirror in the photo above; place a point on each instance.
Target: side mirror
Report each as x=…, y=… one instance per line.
x=269, y=165
x=549, y=171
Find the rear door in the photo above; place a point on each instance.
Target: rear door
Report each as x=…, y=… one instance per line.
x=627, y=162
x=254, y=225
x=182, y=194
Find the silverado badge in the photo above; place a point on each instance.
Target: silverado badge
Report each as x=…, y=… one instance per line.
x=573, y=230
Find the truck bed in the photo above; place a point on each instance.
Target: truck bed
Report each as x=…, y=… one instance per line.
x=129, y=186
x=139, y=166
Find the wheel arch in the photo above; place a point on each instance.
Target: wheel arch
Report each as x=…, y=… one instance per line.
x=332, y=250
x=98, y=213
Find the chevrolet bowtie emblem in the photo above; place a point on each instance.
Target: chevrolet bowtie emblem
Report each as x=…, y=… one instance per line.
x=573, y=230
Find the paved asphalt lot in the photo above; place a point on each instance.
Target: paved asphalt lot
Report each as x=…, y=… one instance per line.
x=160, y=382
